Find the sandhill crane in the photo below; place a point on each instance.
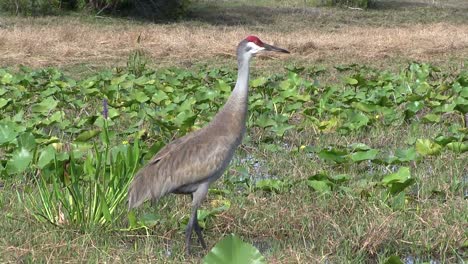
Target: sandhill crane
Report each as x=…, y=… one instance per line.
x=188, y=165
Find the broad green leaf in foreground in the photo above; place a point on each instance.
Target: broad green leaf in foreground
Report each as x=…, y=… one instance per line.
x=46, y=156
x=232, y=250
x=19, y=161
x=7, y=132
x=27, y=141
x=45, y=106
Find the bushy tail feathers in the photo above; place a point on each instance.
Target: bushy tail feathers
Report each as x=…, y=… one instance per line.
x=146, y=186
x=138, y=192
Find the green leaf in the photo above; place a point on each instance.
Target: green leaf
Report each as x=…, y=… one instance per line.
x=431, y=118
x=149, y=220
x=414, y=107
x=356, y=120
x=7, y=78
x=204, y=214
x=265, y=121
x=365, y=107
x=340, y=178
x=46, y=156
x=232, y=250
x=139, y=96
x=113, y=113
x=401, y=175
x=464, y=92
x=319, y=186
x=19, y=161
x=359, y=147
x=104, y=206
x=406, y=154
x=279, y=130
x=87, y=135
x=462, y=105
x=4, y=102
x=285, y=85
x=132, y=221
x=393, y=260
x=398, y=201
x=335, y=155
x=258, y=82
x=223, y=86
x=458, y=147
x=444, y=140
x=398, y=181
x=427, y=147
x=8, y=132
x=351, y=81
x=45, y=106
x=159, y=96
x=271, y=185
x=27, y=141
x=62, y=156
x=364, y=155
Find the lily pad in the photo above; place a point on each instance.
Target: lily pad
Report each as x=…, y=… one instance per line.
x=232, y=250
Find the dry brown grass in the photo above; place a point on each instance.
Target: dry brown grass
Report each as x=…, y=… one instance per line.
x=69, y=41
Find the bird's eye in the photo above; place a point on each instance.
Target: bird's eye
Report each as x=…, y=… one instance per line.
x=247, y=49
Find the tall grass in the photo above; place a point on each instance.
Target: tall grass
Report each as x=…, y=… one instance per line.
x=87, y=192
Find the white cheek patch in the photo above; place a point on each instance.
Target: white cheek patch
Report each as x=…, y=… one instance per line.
x=254, y=48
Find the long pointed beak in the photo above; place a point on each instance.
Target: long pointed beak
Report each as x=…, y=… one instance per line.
x=273, y=48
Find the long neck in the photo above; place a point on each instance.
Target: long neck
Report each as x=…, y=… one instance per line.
x=240, y=93
x=234, y=112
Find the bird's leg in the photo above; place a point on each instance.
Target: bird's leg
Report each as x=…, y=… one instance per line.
x=197, y=198
x=197, y=228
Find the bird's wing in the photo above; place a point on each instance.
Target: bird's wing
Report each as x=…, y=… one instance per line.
x=185, y=161
x=190, y=160
x=167, y=149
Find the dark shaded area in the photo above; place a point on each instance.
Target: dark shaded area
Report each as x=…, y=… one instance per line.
x=147, y=10
x=246, y=14
x=382, y=13
x=398, y=5
x=405, y=4
x=152, y=10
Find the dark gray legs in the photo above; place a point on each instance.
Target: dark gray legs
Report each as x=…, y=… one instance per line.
x=197, y=198
x=193, y=224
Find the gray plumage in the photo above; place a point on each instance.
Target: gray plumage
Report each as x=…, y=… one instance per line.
x=188, y=165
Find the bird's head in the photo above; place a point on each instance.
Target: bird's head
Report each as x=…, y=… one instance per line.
x=251, y=45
